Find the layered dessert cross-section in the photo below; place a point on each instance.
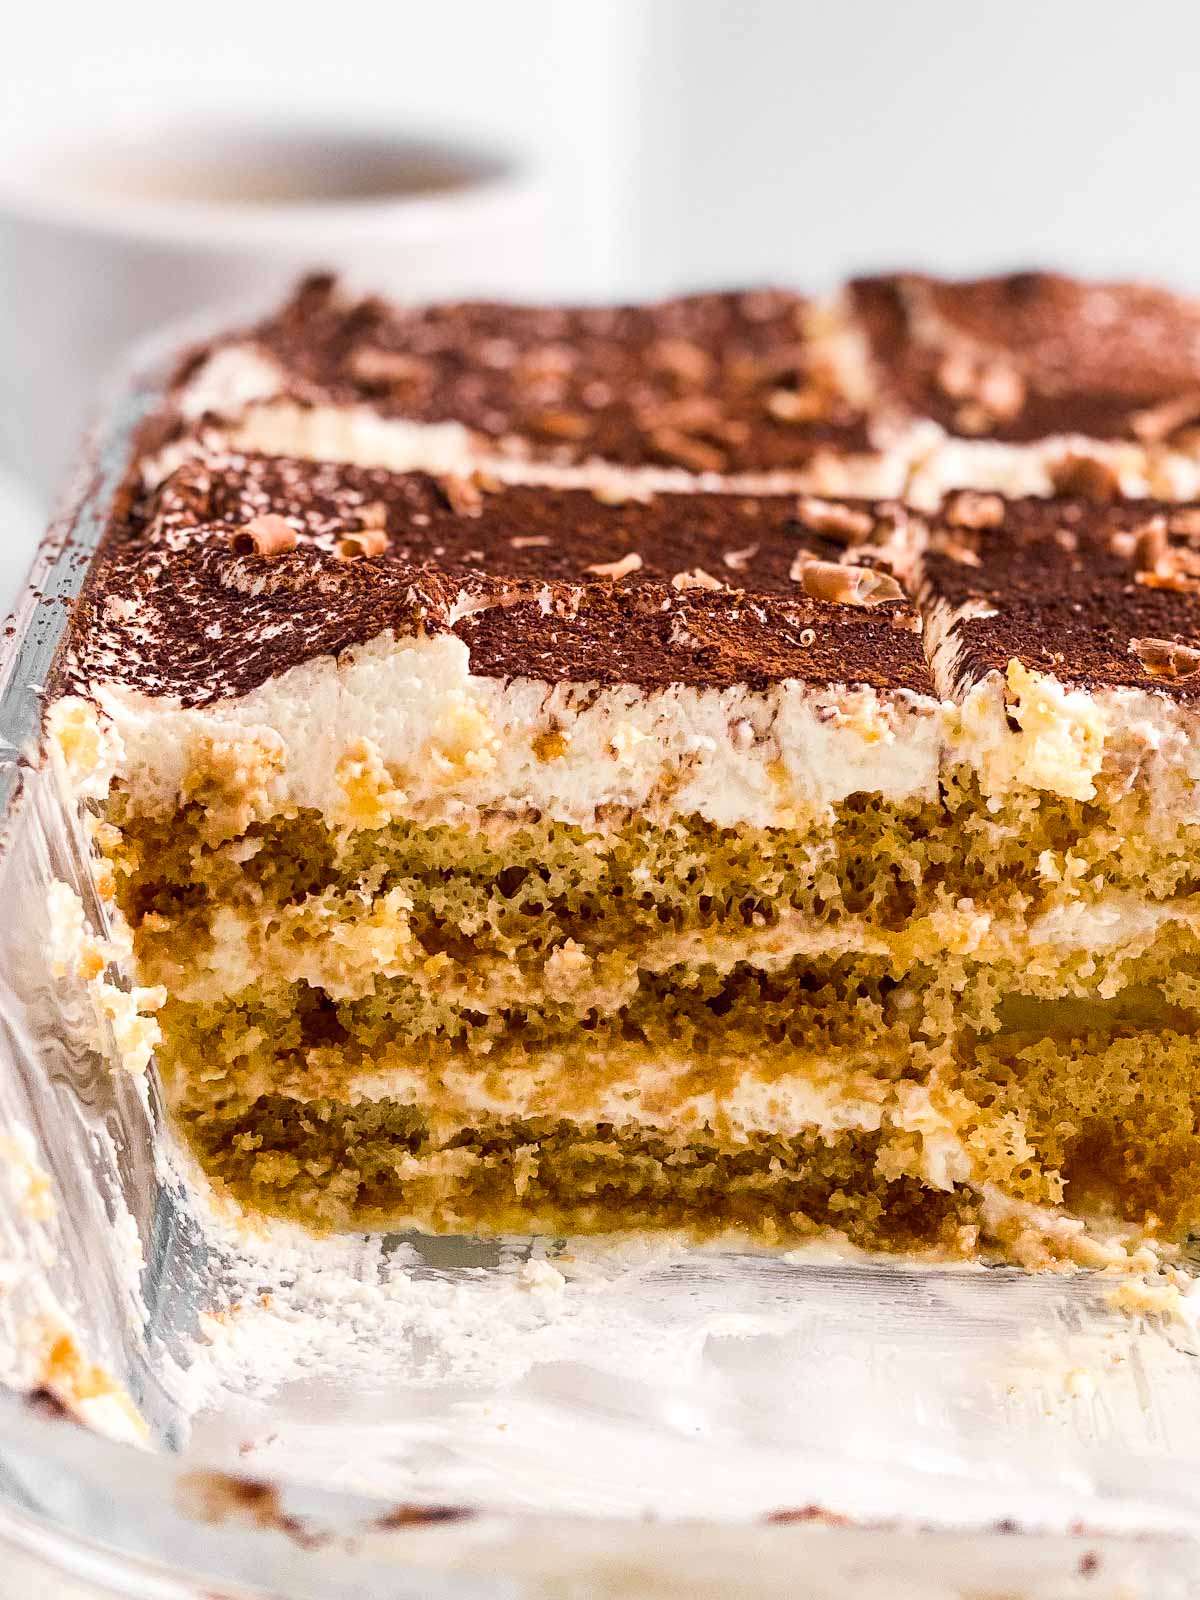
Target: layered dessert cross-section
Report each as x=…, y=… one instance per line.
x=616, y=851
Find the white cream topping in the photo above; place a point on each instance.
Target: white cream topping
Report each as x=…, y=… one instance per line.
x=912, y=458
x=444, y=743
x=233, y=377
x=942, y=463
x=243, y=385
x=1029, y=730
x=430, y=741
x=358, y=436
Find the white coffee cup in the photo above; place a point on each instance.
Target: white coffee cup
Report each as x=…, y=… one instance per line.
x=105, y=238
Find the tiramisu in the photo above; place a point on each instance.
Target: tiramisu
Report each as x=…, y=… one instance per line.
x=1035, y=383
x=763, y=389
x=537, y=828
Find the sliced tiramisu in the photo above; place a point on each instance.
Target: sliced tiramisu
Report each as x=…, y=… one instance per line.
x=1033, y=383
x=1068, y=637
x=1029, y=383
x=507, y=855
x=593, y=855
x=757, y=388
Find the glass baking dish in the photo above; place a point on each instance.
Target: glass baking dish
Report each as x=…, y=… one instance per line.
x=265, y=1414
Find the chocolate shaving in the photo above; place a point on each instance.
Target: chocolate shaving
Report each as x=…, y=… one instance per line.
x=268, y=535
x=848, y=586
x=1165, y=658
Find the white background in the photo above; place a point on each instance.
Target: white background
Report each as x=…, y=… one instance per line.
x=810, y=139
x=700, y=141
x=695, y=140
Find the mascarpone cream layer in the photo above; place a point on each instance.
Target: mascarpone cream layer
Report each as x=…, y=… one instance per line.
x=942, y=463
x=914, y=458
x=402, y=729
x=358, y=436
x=923, y=1125
x=247, y=389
